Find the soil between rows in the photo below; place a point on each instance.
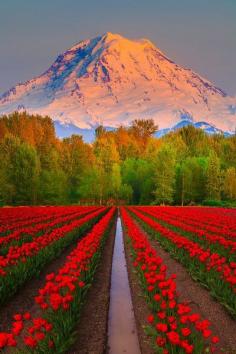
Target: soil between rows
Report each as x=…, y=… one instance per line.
x=140, y=307
x=23, y=300
x=200, y=299
x=92, y=328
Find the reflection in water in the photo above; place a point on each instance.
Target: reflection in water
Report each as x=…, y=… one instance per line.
x=122, y=334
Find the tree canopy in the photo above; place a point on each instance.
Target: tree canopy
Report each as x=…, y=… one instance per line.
x=125, y=165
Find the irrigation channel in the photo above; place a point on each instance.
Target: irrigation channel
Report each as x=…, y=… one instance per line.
x=122, y=332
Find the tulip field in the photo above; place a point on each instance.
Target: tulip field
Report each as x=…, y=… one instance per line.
x=58, y=252
x=205, y=248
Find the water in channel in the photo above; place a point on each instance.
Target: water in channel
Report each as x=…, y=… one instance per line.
x=122, y=332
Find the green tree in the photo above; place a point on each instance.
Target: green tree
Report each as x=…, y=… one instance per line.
x=196, y=140
x=229, y=186
x=93, y=186
x=76, y=160
x=126, y=193
x=8, y=148
x=53, y=186
x=191, y=180
x=165, y=175
x=24, y=174
x=213, y=173
x=137, y=173
x=115, y=181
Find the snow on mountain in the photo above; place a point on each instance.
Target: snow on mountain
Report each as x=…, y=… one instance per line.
x=113, y=80
x=208, y=128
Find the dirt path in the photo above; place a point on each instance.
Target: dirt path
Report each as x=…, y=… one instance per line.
x=92, y=328
x=201, y=300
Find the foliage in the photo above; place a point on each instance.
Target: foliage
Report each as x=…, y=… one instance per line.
x=213, y=177
x=126, y=165
x=165, y=174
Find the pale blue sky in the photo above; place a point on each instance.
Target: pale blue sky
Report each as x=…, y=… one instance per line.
x=200, y=34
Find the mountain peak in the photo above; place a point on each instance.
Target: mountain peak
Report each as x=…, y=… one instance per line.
x=109, y=36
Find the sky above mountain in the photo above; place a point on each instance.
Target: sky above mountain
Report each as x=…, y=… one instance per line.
x=197, y=34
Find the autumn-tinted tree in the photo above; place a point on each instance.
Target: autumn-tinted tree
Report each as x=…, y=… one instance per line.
x=143, y=129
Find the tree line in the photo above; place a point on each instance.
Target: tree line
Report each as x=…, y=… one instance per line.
x=128, y=165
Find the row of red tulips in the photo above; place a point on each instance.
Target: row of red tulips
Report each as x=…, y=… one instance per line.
x=13, y=214
x=211, y=269
x=18, y=254
x=34, y=229
x=219, y=244
x=59, y=301
x=216, y=220
x=15, y=218
x=23, y=262
x=174, y=326
x=220, y=225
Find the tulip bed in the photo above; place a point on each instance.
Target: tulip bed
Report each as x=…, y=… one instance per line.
x=59, y=301
x=226, y=226
x=21, y=234
x=204, y=258
x=173, y=325
x=70, y=240
x=22, y=217
x=25, y=260
x=215, y=220
x=224, y=246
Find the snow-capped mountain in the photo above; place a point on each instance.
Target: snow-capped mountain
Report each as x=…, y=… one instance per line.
x=112, y=80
